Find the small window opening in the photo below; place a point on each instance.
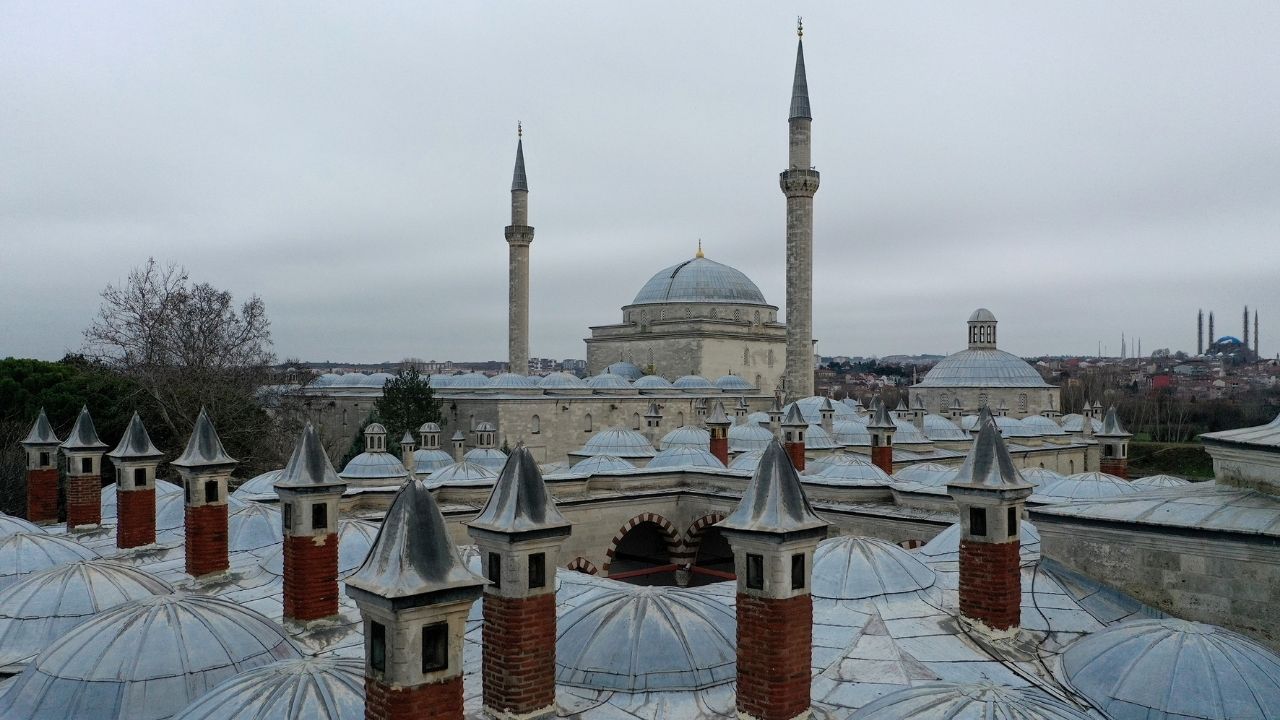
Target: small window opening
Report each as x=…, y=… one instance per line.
x=755, y=571
x=977, y=522
x=44, y=459
x=139, y=477
x=537, y=570
x=319, y=516
x=211, y=491
x=86, y=465
x=435, y=647
x=377, y=646
x=1013, y=522
x=797, y=571
x=286, y=517
x=495, y=569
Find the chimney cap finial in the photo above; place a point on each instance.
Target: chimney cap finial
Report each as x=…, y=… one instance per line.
x=699, y=253
x=799, y=26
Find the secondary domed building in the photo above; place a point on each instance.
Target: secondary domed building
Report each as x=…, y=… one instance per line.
x=983, y=374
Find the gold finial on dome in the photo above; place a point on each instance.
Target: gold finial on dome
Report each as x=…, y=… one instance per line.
x=699, y=253
x=799, y=26
x=519, y=129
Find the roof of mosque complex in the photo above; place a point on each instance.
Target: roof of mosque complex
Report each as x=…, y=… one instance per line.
x=699, y=280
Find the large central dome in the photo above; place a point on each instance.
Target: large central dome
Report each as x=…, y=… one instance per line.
x=983, y=368
x=700, y=280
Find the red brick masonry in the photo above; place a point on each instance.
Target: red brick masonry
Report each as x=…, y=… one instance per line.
x=795, y=451
x=311, y=577
x=42, y=495
x=1115, y=466
x=136, y=518
x=775, y=652
x=991, y=583
x=519, y=653
x=206, y=539
x=720, y=448
x=882, y=457
x=436, y=701
x=84, y=500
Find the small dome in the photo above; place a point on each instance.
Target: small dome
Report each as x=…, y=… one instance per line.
x=811, y=409
x=440, y=380
x=374, y=466
x=254, y=527
x=1085, y=486
x=145, y=659
x=692, y=382
x=1039, y=476
x=462, y=474
x=10, y=525
x=734, y=383
x=487, y=457
x=945, y=546
x=684, y=457
x=1172, y=668
x=756, y=418
x=1074, y=423
x=558, y=466
x=689, y=436
x=747, y=461
x=852, y=568
x=907, y=433
x=619, y=442
x=355, y=537
x=485, y=426
x=982, y=315
x=602, y=464
x=323, y=381
x=939, y=428
x=43, y=606
x=749, y=436
x=1011, y=427
x=699, y=280
x=983, y=368
x=628, y=371
x=377, y=380
x=25, y=553
x=428, y=461
x=259, y=487
x=1042, y=425
x=605, y=381
x=469, y=381
x=428, y=427
x=375, y=429
x=637, y=639
x=510, y=381
x=1159, y=481
x=846, y=470
x=983, y=700
x=852, y=432
x=815, y=438
x=652, y=382
x=562, y=381
x=308, y=689
x=927, y=474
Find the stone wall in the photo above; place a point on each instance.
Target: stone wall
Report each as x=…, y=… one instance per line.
x=938, y=400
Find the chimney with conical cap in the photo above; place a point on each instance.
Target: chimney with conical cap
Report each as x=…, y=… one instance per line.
x=136, y=460
x=310, y=491
x=205, y=468
x=718, y=426
x=41, y=445
x=84, y=451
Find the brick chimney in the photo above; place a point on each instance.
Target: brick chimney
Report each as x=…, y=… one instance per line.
x=414, y=593
x=741, y=411
x=1115, y=446
x=205, y=468
x=407, y=444
x=136, y=460
x=882, y=429
x=41, y=445
x=793, y=429
x=459, y=445
x=519, y=534
x=773, y=533
x=990, y=494
x=309, y=491
x=83, y=451
x=653, y=424
x=718, y=425
x=827, y=411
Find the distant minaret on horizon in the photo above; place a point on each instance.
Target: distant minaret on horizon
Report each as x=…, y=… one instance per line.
x=1200, y=333
x=1245, y=336
x=519, y=237
x=799, y=182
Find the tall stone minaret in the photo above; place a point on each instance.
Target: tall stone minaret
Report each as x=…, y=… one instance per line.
x=519, y=236
x=1246, y=327
x=1200, y=333
x=799, y=183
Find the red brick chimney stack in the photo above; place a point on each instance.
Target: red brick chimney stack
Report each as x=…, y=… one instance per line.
x=990, y=494
x=793, y=430
x=83, y=451
x=41, y=445
x=519, y=533
x=205, y=468
x=1115, y=446
x=136, y=460
x=718, y=425
x=882, y=429
x=773, y=533
x=414, y=593
x=310, y=491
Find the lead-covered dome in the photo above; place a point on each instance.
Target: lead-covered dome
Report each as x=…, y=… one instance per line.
x=617, y=441
x=10, y=525
x=945, y=546
x=982, y=700
x=700, y=280
x=748, y=436
x=602, y=464
x=987, y=367
x=1085, y=486
x=145, y=659
x=689, y=436
x=25, y=553
x=1169, y=668
x=681, y=457
x=843, y=469
x=852, y=568
x=636, y=639
x=307, y=689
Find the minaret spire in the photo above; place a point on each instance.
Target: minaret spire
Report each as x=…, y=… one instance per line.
x=519, y=236
x=799, y=182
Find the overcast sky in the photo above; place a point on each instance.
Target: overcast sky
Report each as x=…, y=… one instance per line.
x=1082, y=169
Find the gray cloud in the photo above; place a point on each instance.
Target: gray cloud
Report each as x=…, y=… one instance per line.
x=1083, y=169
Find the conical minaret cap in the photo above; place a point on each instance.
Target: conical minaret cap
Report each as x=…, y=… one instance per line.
x=414, y=555
x=309, y=467
x=41, y=433
x=1111, y=426
x=83, y=435
x=519, y=183
x=652, y=410
x=988, y=464
x=408, y=439
x=204, y=449
x=826, y=406
x=458, y=436
x=800, y=88
x=136, y=443
x=520, y=502
x=774, y=502
x=881, y=417
x=794, y=418
x=718, y=416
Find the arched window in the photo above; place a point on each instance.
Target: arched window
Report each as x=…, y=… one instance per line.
x=344, y=416
x=635, y=421
x=746, y=355
x=757, y=317
x=535, y=424
x=1073, y=467
x=680, y=419
x=1022, y=402
x=586, y=423
x=770, y=358
x=715, y=313
x=737, y=314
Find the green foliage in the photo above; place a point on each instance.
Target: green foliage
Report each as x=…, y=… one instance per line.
x=407, y=402
x=1188, y=460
